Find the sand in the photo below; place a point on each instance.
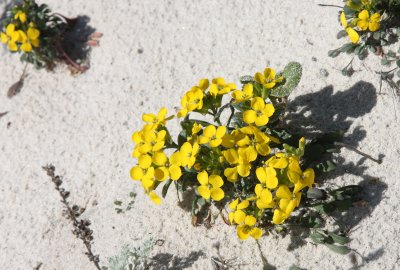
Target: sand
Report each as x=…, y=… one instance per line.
x=153, y=51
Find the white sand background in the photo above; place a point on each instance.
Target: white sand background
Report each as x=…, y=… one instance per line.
x=83, y=125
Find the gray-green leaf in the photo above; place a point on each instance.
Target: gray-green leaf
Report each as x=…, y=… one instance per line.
x=292, y=75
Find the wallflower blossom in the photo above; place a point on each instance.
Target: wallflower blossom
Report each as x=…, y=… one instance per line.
x=212, y=135
x=268, y=79
x=259, y=113
x=368, y=22
x=246, y=94
x=210, y=186
x=248, y=229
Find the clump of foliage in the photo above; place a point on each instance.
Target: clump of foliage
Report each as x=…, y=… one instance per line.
x=132, y=257
x=36, y=33
x=235, y=153
x=371, y=26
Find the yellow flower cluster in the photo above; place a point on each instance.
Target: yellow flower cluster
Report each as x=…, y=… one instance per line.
x=153, y=163
x=222, y=157
x=364, y=20
x=21, y=35
x=193, y=99
x=280, y=183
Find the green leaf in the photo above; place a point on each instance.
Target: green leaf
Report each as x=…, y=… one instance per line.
x=315, y=193
x=119, y=203
x=325, y=166
x=318, y=237
x=292, y=75
x=341, y=34
x=398, y=63
x=338, y=249
x=341, y=240
x=333, y=53
x=165, y=188
x=246, y=79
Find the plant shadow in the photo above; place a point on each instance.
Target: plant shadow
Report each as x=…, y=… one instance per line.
x=326, y=111
x=76, y=39
x=169, y=261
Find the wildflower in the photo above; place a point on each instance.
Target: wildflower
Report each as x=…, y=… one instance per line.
x=260, y=112
x=188, y=152
x=242, y=159
x=353, y=35
x=299, y=178
x=21, y=16
x=196, y=128
x=191, y=101
x=248, y=229
x=257, y=141
x=279, y=161
x=212, y=135
x=10, y=37
x=267, y=176
x=287, y=203
x=238, y=215
x=244, y=95
x=147, y=140
x=210, y=186
x=158, y=119
x=168, y=167
x=368, y=22
x=268, y=79
x=220, y=87
x=264, y=197
x=203, y=84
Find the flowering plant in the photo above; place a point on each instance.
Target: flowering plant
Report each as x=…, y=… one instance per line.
x=240, y=156
x=371, y=25
x=37, y=34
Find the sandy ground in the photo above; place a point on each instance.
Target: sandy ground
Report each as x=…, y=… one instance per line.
x=83, y=126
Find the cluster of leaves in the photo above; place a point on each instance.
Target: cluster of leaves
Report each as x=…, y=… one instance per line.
x=372, y=26
x=118, y=204
x=45, y=50
x=132, y=257
x=239, y=155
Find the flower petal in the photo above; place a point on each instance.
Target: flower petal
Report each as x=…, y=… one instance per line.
x=216, y=181
x=217, y=194
x=204, y=192
x=202, y=177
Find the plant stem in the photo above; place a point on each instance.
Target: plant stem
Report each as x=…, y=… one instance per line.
x=358, y=151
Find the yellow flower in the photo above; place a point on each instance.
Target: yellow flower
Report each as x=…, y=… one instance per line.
x=353, y=35
x=246, y=94
x=212, y=135
x=148, y=140
x=203, y=84
x=264, y=197
x=242, y=158
x=210, y=186
x=192, y=100
x=287, y=203
x=267, y=176
x=248, y=229
x=238, y=215
x=260, y=112
x=220, y=87
x=196, y=128
x=188, y=152
x=21, y=16
x=268, y=79
x=157, y=119
x=366, y=22
x=256, y=140
x=11, y=37
x=168, y=167
x=299, y=178
x=279, y=161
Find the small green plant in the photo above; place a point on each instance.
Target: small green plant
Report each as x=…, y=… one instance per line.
x=118, y=204
x=132, y=258
x=372, y=26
